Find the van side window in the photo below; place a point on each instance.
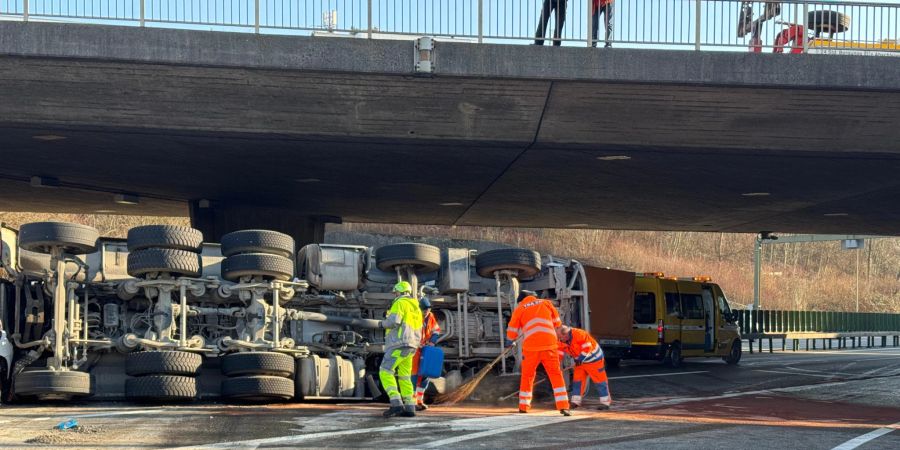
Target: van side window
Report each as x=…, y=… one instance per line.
x=644, y=307
x=692, y=305
x=673, y=306
x=723, y=306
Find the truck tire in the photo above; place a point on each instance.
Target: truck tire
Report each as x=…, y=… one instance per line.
x=158, y=388
x=734, y=354
x=258, y=265
x=674, y=358
x=612, y=363
x=258, y=388
x=176, y=262
x=52, y=384
x=827, y=21
x=257, y=241
x=163, y=363
x=164, y=236
x=258, y=363
x=42, y=237
x=423, y=257
x=526, y=262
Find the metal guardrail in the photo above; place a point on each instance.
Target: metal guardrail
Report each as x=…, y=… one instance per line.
x=793, y=26
x=777, y=322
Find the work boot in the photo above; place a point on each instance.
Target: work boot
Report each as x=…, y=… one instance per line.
x=603, y=407
x=393, y=411
x=523, y=411
x=575, y=406
x=408, y=411
x=565, y=412
x=421, y=407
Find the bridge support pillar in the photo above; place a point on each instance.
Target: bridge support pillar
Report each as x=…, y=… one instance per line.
x=215, y=220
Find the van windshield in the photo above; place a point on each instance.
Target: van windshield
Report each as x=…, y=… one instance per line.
x=644, y=307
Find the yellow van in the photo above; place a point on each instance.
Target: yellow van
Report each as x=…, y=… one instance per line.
x=676, y=318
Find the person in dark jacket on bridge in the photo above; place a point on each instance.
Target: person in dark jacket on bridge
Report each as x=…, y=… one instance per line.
x=558, y=10
x=604, y=7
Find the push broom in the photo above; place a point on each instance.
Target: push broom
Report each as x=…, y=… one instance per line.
x=467, y=388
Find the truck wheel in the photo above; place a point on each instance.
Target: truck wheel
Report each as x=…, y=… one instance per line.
x=164, y=236
x=258, y=363
x=162, y=363
x=257, y=241
x=42, y=237
x=526, y=262
x=157, y=388
x=674, y=358
x=612, y=363
x=258, y=265
x=827, y=21
x=52, y=384
x=423, y=257
x=176, y=262
x=258, y=388
x=734, y=355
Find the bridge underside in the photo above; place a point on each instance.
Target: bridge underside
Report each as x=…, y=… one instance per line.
x=612, y=147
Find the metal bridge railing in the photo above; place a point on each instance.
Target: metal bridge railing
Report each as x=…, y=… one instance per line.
x=793, y=26
x=779, y=322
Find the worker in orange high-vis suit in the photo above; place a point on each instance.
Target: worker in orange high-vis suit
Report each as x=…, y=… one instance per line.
x=431, y=333
x=536, y=320
x=589, y=363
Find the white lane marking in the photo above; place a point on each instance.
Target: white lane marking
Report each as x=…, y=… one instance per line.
x=118, y=413
x=294, y=439
x=785, y=372
x=846, y=374
x=775, y=362
x=468, y=437
x=860, y=440
x=508, y=422
x=658, y=375
x=678, y=401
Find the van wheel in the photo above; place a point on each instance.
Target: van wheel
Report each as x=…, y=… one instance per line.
x=674, y=358
x=734, y=356
x=612, y=363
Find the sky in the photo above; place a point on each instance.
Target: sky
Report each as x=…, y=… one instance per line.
x=655, y=23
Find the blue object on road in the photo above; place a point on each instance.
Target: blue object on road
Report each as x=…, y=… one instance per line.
x=71, y=423
x=432, y=363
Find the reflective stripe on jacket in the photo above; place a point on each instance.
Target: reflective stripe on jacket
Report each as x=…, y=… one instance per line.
x=535, y=319
x=431, y=330
x=582, y=346
x=403, y=324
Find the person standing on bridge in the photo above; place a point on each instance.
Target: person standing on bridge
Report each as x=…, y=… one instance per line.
x=589, y=363
x=604, y=7
x=558, y=9
x=402, y=336
x=431, y=333
x=537, y=319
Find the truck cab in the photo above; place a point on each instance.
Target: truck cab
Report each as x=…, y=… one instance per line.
x=675, y=318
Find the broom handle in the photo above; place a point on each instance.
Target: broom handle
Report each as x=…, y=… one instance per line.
x=566, y=369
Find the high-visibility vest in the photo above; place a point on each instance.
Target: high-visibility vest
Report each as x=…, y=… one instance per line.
x=535, y=319
x=431, y=330
x=403, y=324
x=582, y=346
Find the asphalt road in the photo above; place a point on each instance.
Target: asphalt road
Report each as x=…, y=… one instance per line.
x=813, y=400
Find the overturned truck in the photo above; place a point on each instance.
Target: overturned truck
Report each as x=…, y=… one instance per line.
x=164, y=316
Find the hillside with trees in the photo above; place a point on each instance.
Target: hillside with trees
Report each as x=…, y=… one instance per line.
x=808, y=276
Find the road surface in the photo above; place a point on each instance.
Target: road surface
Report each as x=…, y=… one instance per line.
x=813, y=400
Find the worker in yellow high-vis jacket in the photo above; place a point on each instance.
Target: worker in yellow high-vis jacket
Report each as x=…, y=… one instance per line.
x=402, y=336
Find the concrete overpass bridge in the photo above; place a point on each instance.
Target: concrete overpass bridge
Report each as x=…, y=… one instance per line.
x=289, y=132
